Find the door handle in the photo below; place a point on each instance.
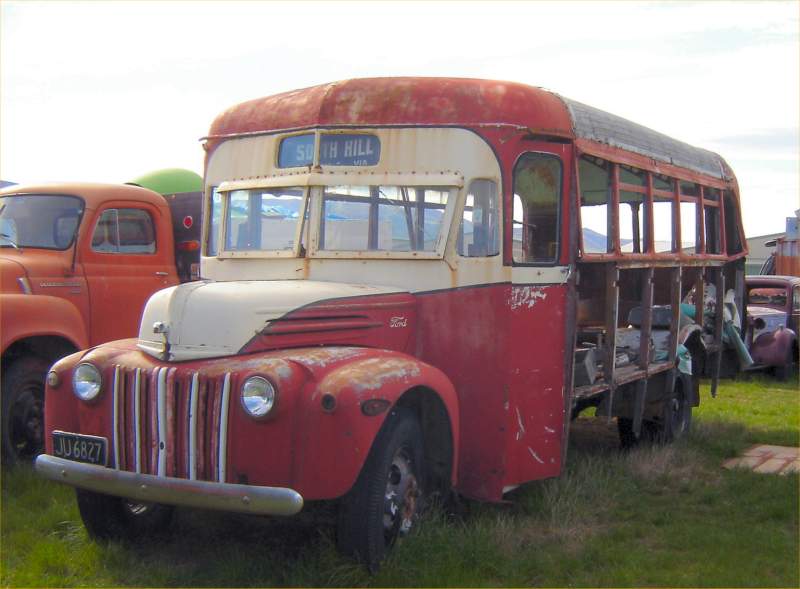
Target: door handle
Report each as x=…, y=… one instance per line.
x=162, y=273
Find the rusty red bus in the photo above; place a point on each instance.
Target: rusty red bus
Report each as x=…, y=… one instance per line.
x=410, y=287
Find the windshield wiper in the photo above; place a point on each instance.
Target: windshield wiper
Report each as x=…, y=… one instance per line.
x=9, y=240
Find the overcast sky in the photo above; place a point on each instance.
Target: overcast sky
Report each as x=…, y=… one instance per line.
x=106, y=91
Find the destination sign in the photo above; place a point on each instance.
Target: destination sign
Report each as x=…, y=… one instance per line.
x=349, y=150
x=295, y=151
x=335, y=150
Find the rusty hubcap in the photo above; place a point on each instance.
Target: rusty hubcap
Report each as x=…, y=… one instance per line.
x=400, y=498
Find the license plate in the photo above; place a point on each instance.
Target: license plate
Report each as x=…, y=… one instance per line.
x=91, y=449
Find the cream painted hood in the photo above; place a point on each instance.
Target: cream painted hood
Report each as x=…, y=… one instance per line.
x=208, y=319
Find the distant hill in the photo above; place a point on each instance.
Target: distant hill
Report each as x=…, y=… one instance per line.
x=593, y=241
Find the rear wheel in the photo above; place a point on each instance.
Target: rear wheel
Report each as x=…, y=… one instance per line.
x=384, y=503
x=675, y=419
x=115, y=518
x=672, y=424
x=23, y=409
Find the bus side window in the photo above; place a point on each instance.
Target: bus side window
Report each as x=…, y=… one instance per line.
x=537, y=196
x=712, y=221
x=690, y=230
x=479, y=233
x=595, y=183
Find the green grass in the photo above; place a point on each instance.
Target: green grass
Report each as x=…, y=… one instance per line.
x=655, y=516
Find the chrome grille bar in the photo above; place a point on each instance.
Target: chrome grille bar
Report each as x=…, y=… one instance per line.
x=161, y=418
x=193, y=428
x=137, y=420
x=116, y=416
x=223, y=429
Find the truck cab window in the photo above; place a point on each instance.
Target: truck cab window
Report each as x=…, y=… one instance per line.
x=479, y=233
x=537, y=190
x=124, y=231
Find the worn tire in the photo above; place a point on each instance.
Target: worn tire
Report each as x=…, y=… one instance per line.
x=673, y=423
x=385, y=500
x=785, y=370
x=675, y=419
x=113, y=518
x=23, y=409
x=628, y=439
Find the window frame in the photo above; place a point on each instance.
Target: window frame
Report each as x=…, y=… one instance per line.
x=443, y=238
x=498, y=224
x=223, y=253
x=556, y=259
x=76, y=233
x=705, y=194
x=117, y=252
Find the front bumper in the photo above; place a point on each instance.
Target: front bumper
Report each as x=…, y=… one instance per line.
x=172, y=491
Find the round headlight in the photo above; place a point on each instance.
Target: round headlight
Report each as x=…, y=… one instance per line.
x=258, y=396
x=86, y=382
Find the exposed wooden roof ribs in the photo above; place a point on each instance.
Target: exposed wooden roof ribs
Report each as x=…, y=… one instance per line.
x=597, y=125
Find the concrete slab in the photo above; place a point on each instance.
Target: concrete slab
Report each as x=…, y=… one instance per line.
x=767, y=459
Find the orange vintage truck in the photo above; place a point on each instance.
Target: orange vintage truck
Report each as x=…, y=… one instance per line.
x=77, y=264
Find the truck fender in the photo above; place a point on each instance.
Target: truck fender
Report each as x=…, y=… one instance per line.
x=773, y=348
x=348, y=406
x=24, y=316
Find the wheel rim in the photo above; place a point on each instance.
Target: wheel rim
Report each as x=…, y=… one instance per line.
x=137, y=509
x=26, y=424
x=400, y=497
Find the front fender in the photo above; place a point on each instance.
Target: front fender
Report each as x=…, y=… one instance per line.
x=772, y=349
x=334, y=441
x=23, y=316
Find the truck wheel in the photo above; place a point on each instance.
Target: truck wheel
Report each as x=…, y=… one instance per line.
x=672, y=424
x=385, y=500
x=23, y=409
x=628, y=439
x=115, y=518
x=675, y=419
x=785, y=370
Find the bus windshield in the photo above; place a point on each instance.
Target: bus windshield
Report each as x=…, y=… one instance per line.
x=263, y=219
x=383, y=218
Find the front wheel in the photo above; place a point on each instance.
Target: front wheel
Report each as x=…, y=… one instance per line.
x=785, y=370
x=384, y=503
x=115, y=518
x=23, y=409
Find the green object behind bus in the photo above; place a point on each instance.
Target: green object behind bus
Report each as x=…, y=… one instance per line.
x=170, y=181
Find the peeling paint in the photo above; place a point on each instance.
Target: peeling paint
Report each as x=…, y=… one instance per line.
x=367, y=375
x=535, y=456
x=322, y=357
x=526, y=296
x=521, y=431
x=549, y=430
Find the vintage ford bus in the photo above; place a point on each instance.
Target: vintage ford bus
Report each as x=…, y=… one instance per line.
x=410, y=286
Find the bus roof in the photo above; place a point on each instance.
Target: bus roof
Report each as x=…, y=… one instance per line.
x=459, y=102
